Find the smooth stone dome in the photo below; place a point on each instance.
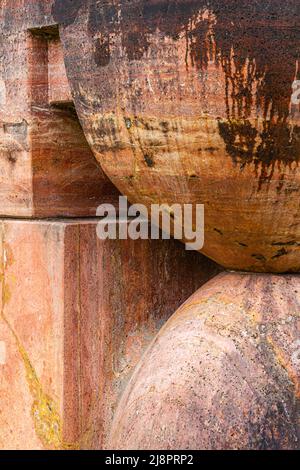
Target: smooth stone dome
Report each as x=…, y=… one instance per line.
x=223, y=373
x=197, y=102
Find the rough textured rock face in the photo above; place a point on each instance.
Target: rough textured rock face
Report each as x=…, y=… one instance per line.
x=69, y=337
x=223, y=373
x=191, y=101
x=47, y=166
x=182, y=101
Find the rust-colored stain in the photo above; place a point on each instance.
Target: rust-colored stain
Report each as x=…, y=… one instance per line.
x=218, y=31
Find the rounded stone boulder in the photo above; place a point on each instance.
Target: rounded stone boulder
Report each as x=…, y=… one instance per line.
x=196, y=102
x=223, y=373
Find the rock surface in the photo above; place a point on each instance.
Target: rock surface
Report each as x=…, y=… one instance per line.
x=223, y=373
x=76, y=314
x=196, y=102
x=47, y=166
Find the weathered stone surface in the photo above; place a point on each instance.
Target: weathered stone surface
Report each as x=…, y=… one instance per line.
x=59, y=89
x=223, y=373
x=76, y=315
x=47, y=167
x=193, y=102
x=18, y=15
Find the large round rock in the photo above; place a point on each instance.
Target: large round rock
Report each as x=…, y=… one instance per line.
x=197, y=101
x=223, y=373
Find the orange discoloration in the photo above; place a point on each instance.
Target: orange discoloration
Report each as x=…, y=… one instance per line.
x=285, y=361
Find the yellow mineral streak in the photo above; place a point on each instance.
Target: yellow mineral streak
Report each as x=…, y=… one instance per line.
x=46, y=418
x=281, y=358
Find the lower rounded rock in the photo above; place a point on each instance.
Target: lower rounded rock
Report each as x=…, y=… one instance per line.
x=223, y=373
